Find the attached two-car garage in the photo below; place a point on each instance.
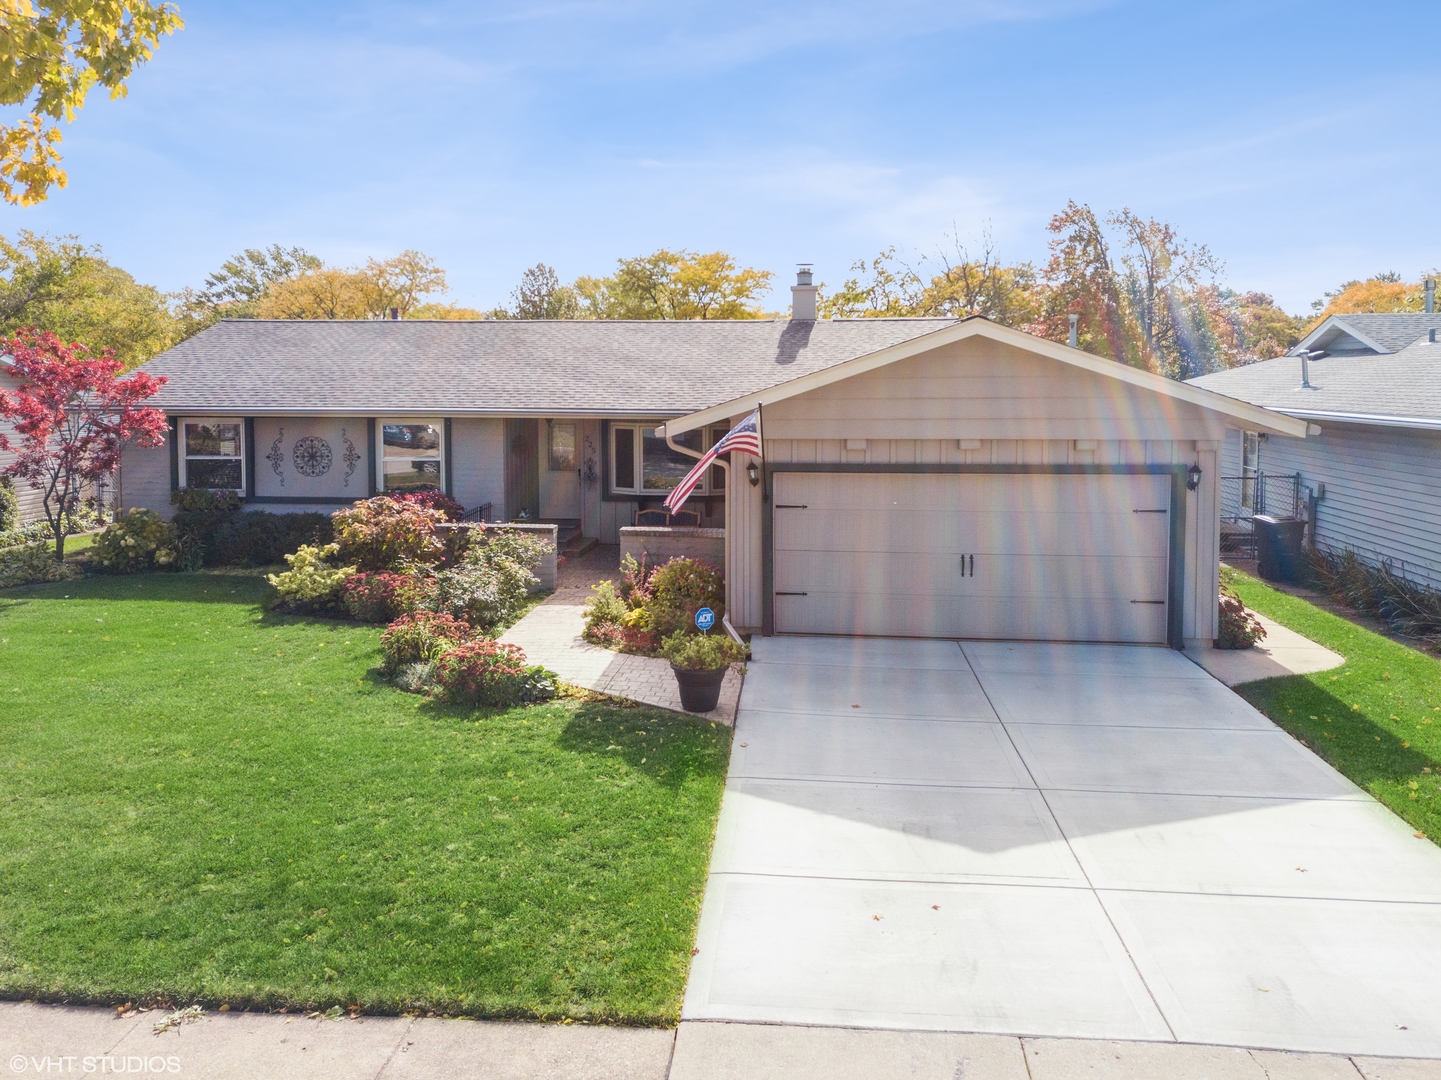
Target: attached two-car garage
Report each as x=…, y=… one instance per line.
x=979, y=482
x=1050, y=556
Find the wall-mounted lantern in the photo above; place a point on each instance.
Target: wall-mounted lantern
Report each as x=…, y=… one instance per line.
x=753, y=471
x=1193, y=478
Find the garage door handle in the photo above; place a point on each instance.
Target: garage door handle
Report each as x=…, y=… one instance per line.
x=1148, y=601
x=972, y=572
x=1150, y=511
x=791, y=506
x=792, y=594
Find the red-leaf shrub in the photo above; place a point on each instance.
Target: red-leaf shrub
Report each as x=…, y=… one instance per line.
x=488, y=673
x=420, y=636
x=626, y=639
x=431, y=499
x=1238, y=627
x=383, y=596
x=385, y=534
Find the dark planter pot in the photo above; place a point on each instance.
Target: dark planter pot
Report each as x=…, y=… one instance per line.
x=699, y=690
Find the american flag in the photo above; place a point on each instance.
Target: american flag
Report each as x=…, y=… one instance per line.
x=745, y=436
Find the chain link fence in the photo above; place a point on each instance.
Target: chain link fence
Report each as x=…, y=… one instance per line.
x=1243, y=497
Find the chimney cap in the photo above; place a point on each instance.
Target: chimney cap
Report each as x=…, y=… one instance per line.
x=803, y=273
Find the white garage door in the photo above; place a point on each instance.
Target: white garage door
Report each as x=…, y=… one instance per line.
x=1041, y=556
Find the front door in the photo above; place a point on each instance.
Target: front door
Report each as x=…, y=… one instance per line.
x=560, y=471
x=522, y=491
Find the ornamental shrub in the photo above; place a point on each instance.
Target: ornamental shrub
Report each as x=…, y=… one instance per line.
x=486, y=672
x=492, y=579
x=1238, y=628
x=136, y=540
x=9, y=506
x=385, y=534
x=431, y=498
x=384, y=596
x=678, y=590
x=311, y=583
x=420, y=637
x=702, y=652
x=30, y=563
x=604, y=608
x=257, y=538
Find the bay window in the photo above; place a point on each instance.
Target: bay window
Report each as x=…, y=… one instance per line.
x=412, y=455
x=212, y=454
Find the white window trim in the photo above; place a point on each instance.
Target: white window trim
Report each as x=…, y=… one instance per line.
x=638, y=431
x=185, y=458
x=380, y=424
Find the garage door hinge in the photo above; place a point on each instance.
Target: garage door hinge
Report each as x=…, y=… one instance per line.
x=1150, y=511
x=792, y=594
x=1148, y=601
x=791, y=506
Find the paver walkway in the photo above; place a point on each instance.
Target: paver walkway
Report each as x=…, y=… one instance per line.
x=1054, y=840
x=550, y=635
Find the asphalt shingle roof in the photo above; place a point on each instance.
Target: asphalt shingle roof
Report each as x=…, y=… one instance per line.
x=1394, y=330
x=1402, y=384
x=505, y=367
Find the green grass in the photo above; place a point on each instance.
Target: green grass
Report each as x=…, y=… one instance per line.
x=202, y=801
x=1377, y=719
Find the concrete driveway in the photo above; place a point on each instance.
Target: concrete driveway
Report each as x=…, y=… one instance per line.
x=1064, y=840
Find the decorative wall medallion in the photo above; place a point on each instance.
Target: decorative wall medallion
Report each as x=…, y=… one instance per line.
x=276, y=457
x=351, y=456
x=311, y=456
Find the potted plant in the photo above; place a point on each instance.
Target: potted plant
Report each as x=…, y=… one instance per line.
x=700, y=662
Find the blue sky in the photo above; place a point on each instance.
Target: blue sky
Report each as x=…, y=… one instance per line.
x=1298, y=140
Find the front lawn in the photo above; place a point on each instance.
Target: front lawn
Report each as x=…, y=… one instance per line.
x=202, y=801
x=1377, y=719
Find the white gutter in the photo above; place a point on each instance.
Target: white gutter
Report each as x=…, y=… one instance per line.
x=1421, y=422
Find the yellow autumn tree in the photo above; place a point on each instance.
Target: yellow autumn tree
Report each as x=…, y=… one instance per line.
x=371, y=291
x=1382, y=293
x=51, y=55
x=675, y=285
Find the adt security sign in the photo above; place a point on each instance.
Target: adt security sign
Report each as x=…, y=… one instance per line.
x=705, y=618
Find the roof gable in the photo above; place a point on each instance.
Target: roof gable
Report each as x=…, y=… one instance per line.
x=1374, y=332
x=1252, y=416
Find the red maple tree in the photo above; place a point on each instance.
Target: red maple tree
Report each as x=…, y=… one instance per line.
x=72, y=413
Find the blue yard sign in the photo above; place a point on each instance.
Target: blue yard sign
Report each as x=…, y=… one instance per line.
x=705, y=618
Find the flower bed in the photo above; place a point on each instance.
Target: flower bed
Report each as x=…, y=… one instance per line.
x=652, y=603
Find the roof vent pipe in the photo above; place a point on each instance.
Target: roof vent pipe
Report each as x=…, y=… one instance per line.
x=1306, y=357
x=395, y=313
x=1432, y=338
x=1074, y=320
x=803, y=296
x=1430, y=296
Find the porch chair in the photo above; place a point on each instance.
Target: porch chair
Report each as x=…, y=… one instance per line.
x=685, y=519
x=652, y=517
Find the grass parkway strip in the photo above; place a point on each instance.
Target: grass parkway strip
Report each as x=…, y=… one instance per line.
x=201, y=801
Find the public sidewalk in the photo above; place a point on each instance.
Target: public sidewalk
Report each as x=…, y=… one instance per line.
x=58, y=1041
x=550, y=635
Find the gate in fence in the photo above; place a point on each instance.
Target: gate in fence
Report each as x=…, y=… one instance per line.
x=1243, y=497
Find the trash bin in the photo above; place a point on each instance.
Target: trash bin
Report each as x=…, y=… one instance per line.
x=1278, y=548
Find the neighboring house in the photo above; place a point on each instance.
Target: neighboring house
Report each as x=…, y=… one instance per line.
x=31, y=503
x=924, y=477
x=1370, y=477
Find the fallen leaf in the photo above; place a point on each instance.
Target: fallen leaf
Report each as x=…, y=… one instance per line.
x=877, y=918
x=935, y=907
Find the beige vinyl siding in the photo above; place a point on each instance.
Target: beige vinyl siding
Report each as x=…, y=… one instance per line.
x=743, y=545
x=1383, y=491
x=477, y=463
x=145, y=478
